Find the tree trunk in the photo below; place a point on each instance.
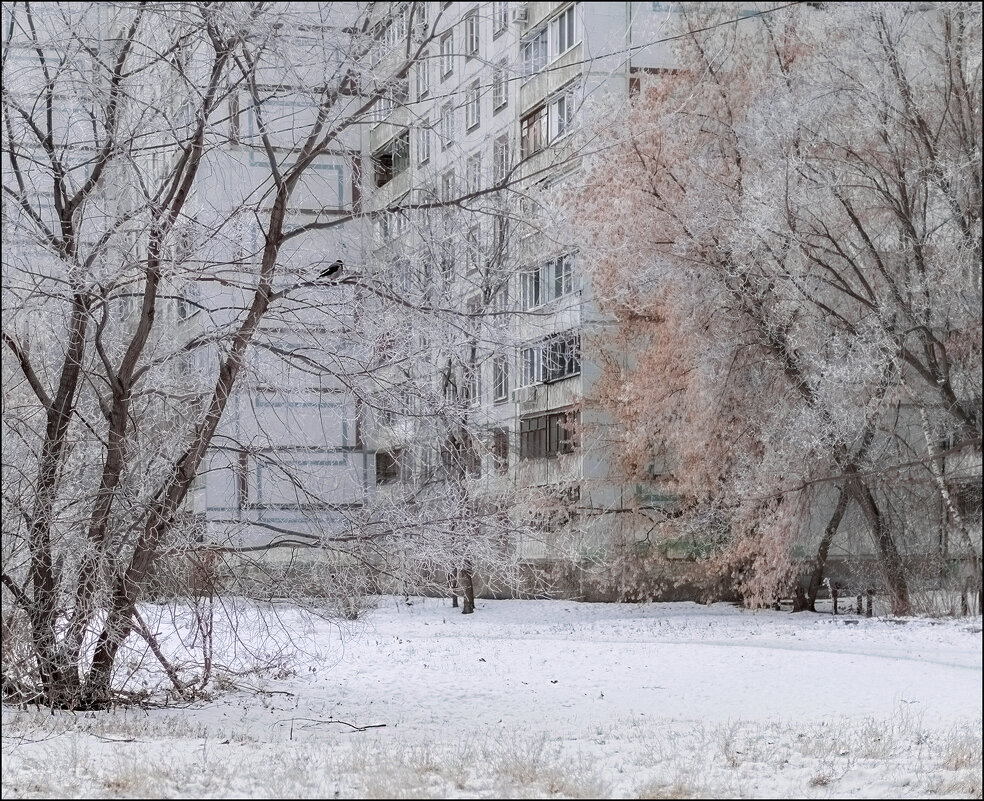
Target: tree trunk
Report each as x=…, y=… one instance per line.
x=468, y=590
x=890, y=559
x=816, y=579
x=453, y=586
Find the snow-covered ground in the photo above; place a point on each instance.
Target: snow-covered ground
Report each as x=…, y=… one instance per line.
x=543, y=698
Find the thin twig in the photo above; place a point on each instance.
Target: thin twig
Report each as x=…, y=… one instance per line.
x=316, y=722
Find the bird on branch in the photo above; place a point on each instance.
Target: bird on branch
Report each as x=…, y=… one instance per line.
x=331, y=271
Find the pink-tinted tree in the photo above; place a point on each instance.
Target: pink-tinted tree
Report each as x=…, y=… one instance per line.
x=787, y=231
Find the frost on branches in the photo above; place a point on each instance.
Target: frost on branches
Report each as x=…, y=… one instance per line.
x=787, y=230
x=182, y=243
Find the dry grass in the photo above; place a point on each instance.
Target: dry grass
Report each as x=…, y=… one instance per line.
x=174, y=755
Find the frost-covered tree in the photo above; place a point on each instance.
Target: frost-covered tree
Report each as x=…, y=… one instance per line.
x=174, y=232
x=787, y=230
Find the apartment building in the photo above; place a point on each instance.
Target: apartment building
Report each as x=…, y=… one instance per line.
x=486, y=120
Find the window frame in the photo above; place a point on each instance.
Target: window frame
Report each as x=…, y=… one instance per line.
x=561, y=271
x=472, y=34
x=534, y=131
x=448, y=185
x=531, y=289
x=424, y=141
x=447, y=261
x=473, y=173
x=501, y=158
x=561, y=356
x=548, y=435
x=391, y=462
x=561, y=123
x=500, y=85
x=392, y=159
x=500, y=18
x=568, y=34
x=447, y=55
x=423, y=76
x=447, y=125
x=473, y=239
x=530, y=365
x=500, y=378
x=535, y=51
x=473, y=105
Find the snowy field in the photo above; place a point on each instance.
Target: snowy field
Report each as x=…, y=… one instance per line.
x=541, y=699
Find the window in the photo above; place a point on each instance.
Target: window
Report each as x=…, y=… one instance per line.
x=400, y=91
x=533, y=131
x=461, y=457
x=500, y=449
x=534, y=49
x=451, y=455
x=552, y=359
x=500, y=86
x=399, y=223
x=529, y=289
x=234, y=130
x=561, y=114
x=389, y=35
x=561, y=275
x=425, y=275
x=447, y=186
x=383, y=108
x=402, y=271
x=500, y=17
x=420, y=23
x=382, y=228
x=447, y=125
x=390, y=226
x=471, y=34
x=500, y=379
x=531, y=363
x=552, y=279
x=472, y=382
x=501, y=161
x=547, y=435
x=396, y=95
x=392, y=159
x=473, y=173
x=473, y=457
x=387, y=467
x=423, y=76
x=396, y=34
x=424, y=142
x=966, y=499
x=473, y=108
x=500, y=242
x=447, y=260
x=561, y=356
x=563, y=32
x=447, y=54
x=473, y=253
x=242, y=479
x=550, y=41
x=500, y=304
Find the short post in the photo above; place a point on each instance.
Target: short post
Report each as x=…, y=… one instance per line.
x=833, y=594
x=859, y=602
x=871, y=595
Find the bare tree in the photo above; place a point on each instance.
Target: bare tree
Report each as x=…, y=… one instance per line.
x=168, y=250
